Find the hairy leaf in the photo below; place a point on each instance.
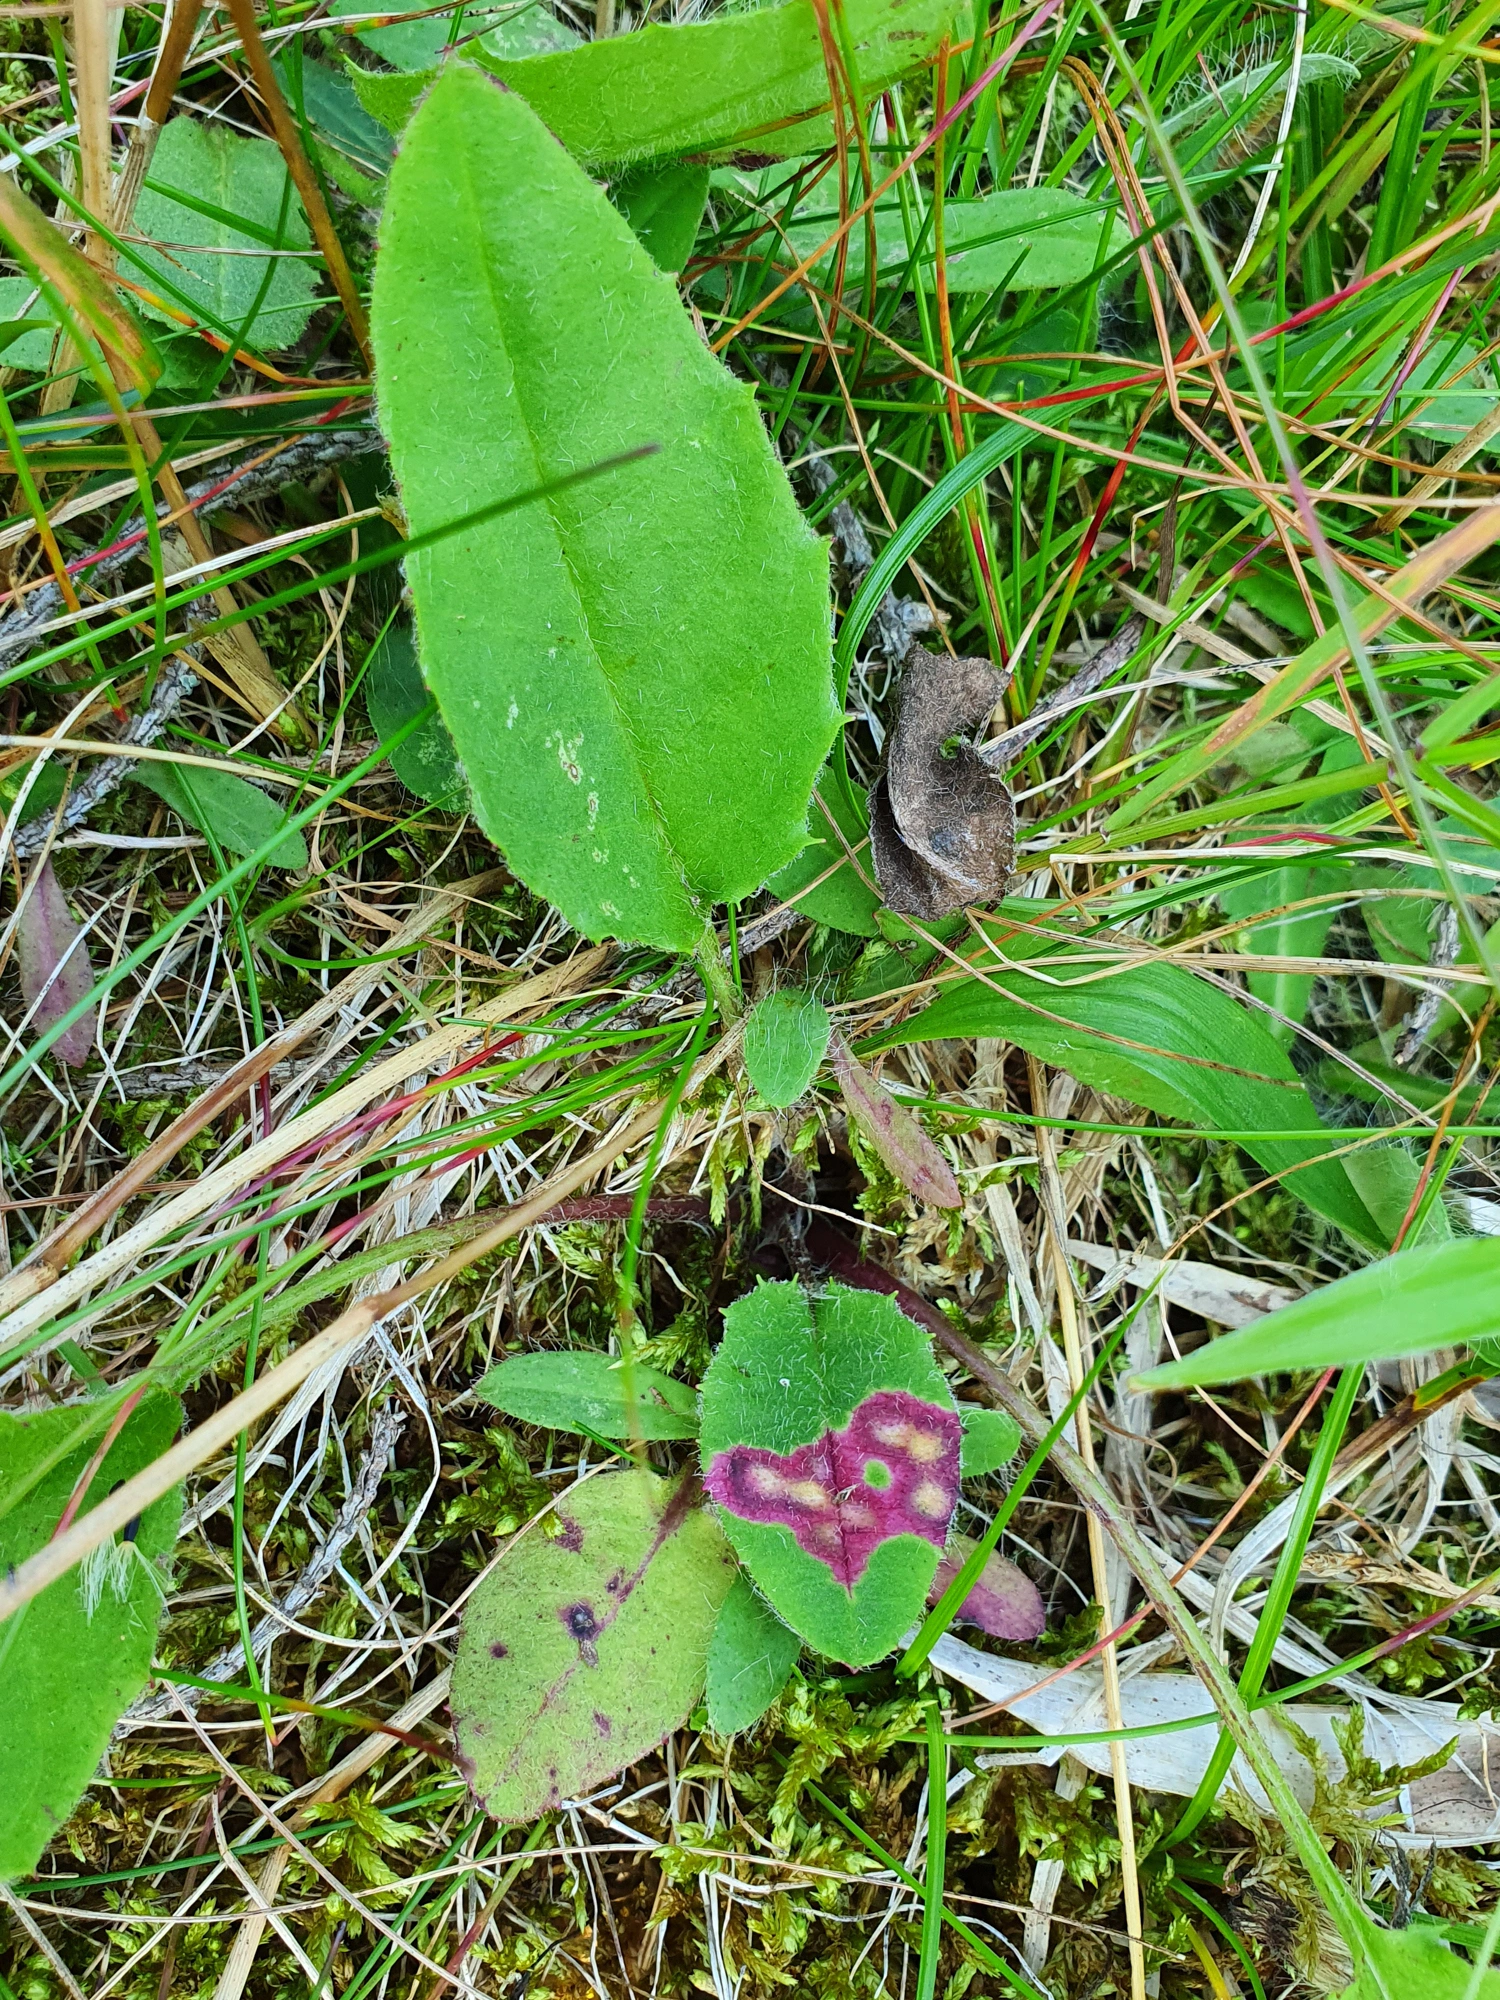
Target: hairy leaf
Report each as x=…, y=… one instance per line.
x=239, y=815
x=991, y=1439
x=583, y=1650
x=1160, y=1037
x=213, y=198
x=893, y=1131
x=426, y=763
x=1004, y=1602
x=786, y=1038
x=1447, y=1295
x=52, y=959
x=73, y=1660
x=581, y=1391
x=636, y=672
x=664, y=206
x=419, y=45
x=831, y=1444
x=745, y=80
x=749, y=1659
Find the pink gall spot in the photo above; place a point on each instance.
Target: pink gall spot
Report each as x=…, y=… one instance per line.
x=892, y=1470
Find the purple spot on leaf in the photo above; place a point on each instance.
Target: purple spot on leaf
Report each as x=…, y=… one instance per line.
x=892, y=1470
x=499, y=1652
x=602, y=1723
x=571, y=1537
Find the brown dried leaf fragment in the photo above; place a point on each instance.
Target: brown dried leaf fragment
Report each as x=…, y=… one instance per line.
x=942, y=823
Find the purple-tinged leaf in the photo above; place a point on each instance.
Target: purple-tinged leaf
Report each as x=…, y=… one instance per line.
x=893, y=1131
x=52, y=959
x=831, y=1444
x=1004, y=1602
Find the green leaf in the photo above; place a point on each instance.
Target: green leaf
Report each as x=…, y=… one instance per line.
x=744, y=80
x=1156, y=1035
x=426, y=763
x=419, y=45
x=664, y=206
x=73, y=1660
x=831, y=1444
x=212, y=197
x=1018, y=239
x=845, y=897
x=390, y=100
x=240, y=817
x=786, y=1038
x=580, y=1391
x=584, y=1649
x=749, y=1660
x=635, y=672
x=1442, y=1296
x=30, y=347
x=1415, y=1964
x=990, y=1439
x=326, y=96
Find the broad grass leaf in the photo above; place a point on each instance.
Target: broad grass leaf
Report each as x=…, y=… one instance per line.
x=636, y=672
x=1161, y=1038
x=213, y=198
x=583, y=1650
x=745, y=80
x=240, y=817
x=664, y=206
x=830, y=1442
x=419, y=45
x=45, y=253
x=786, y=1039
x=426, y=763
x=991, y=1439
x=749, y=1659
x=581, y=1391
x=1286, y=934
x=1447, y=1295
x=832, y=879
x=76, y=1657
x=1016, y=240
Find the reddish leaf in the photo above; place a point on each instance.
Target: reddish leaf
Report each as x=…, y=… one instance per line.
x=53, y=961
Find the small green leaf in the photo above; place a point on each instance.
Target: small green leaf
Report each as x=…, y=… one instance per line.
x=390, y=100
x=786, y=1038
x=831, y=1443
x=749, y=1660
x=583, y=1650
x=991, y=1439
x=1416, y=1964
x=73, y=1660
x=580, y=1391
x=212, y=199
x=1017, y=239
x=1444, y=1296
x=241, y=817
x=836, y=859
x=637, y=671
x=326, y=96
x=29, y=345
x=664, y=206
x=426, y=763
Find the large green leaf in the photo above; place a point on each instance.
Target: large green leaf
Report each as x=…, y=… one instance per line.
x=213, y=198
x=745, y=80
x=636, y=672
x=1444, y=1296
x=1156, y=1035
x=831, y=1444
x=73, y=1660
x=585, y=1648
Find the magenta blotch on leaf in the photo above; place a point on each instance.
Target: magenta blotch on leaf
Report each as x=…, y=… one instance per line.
x=892, y=1470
